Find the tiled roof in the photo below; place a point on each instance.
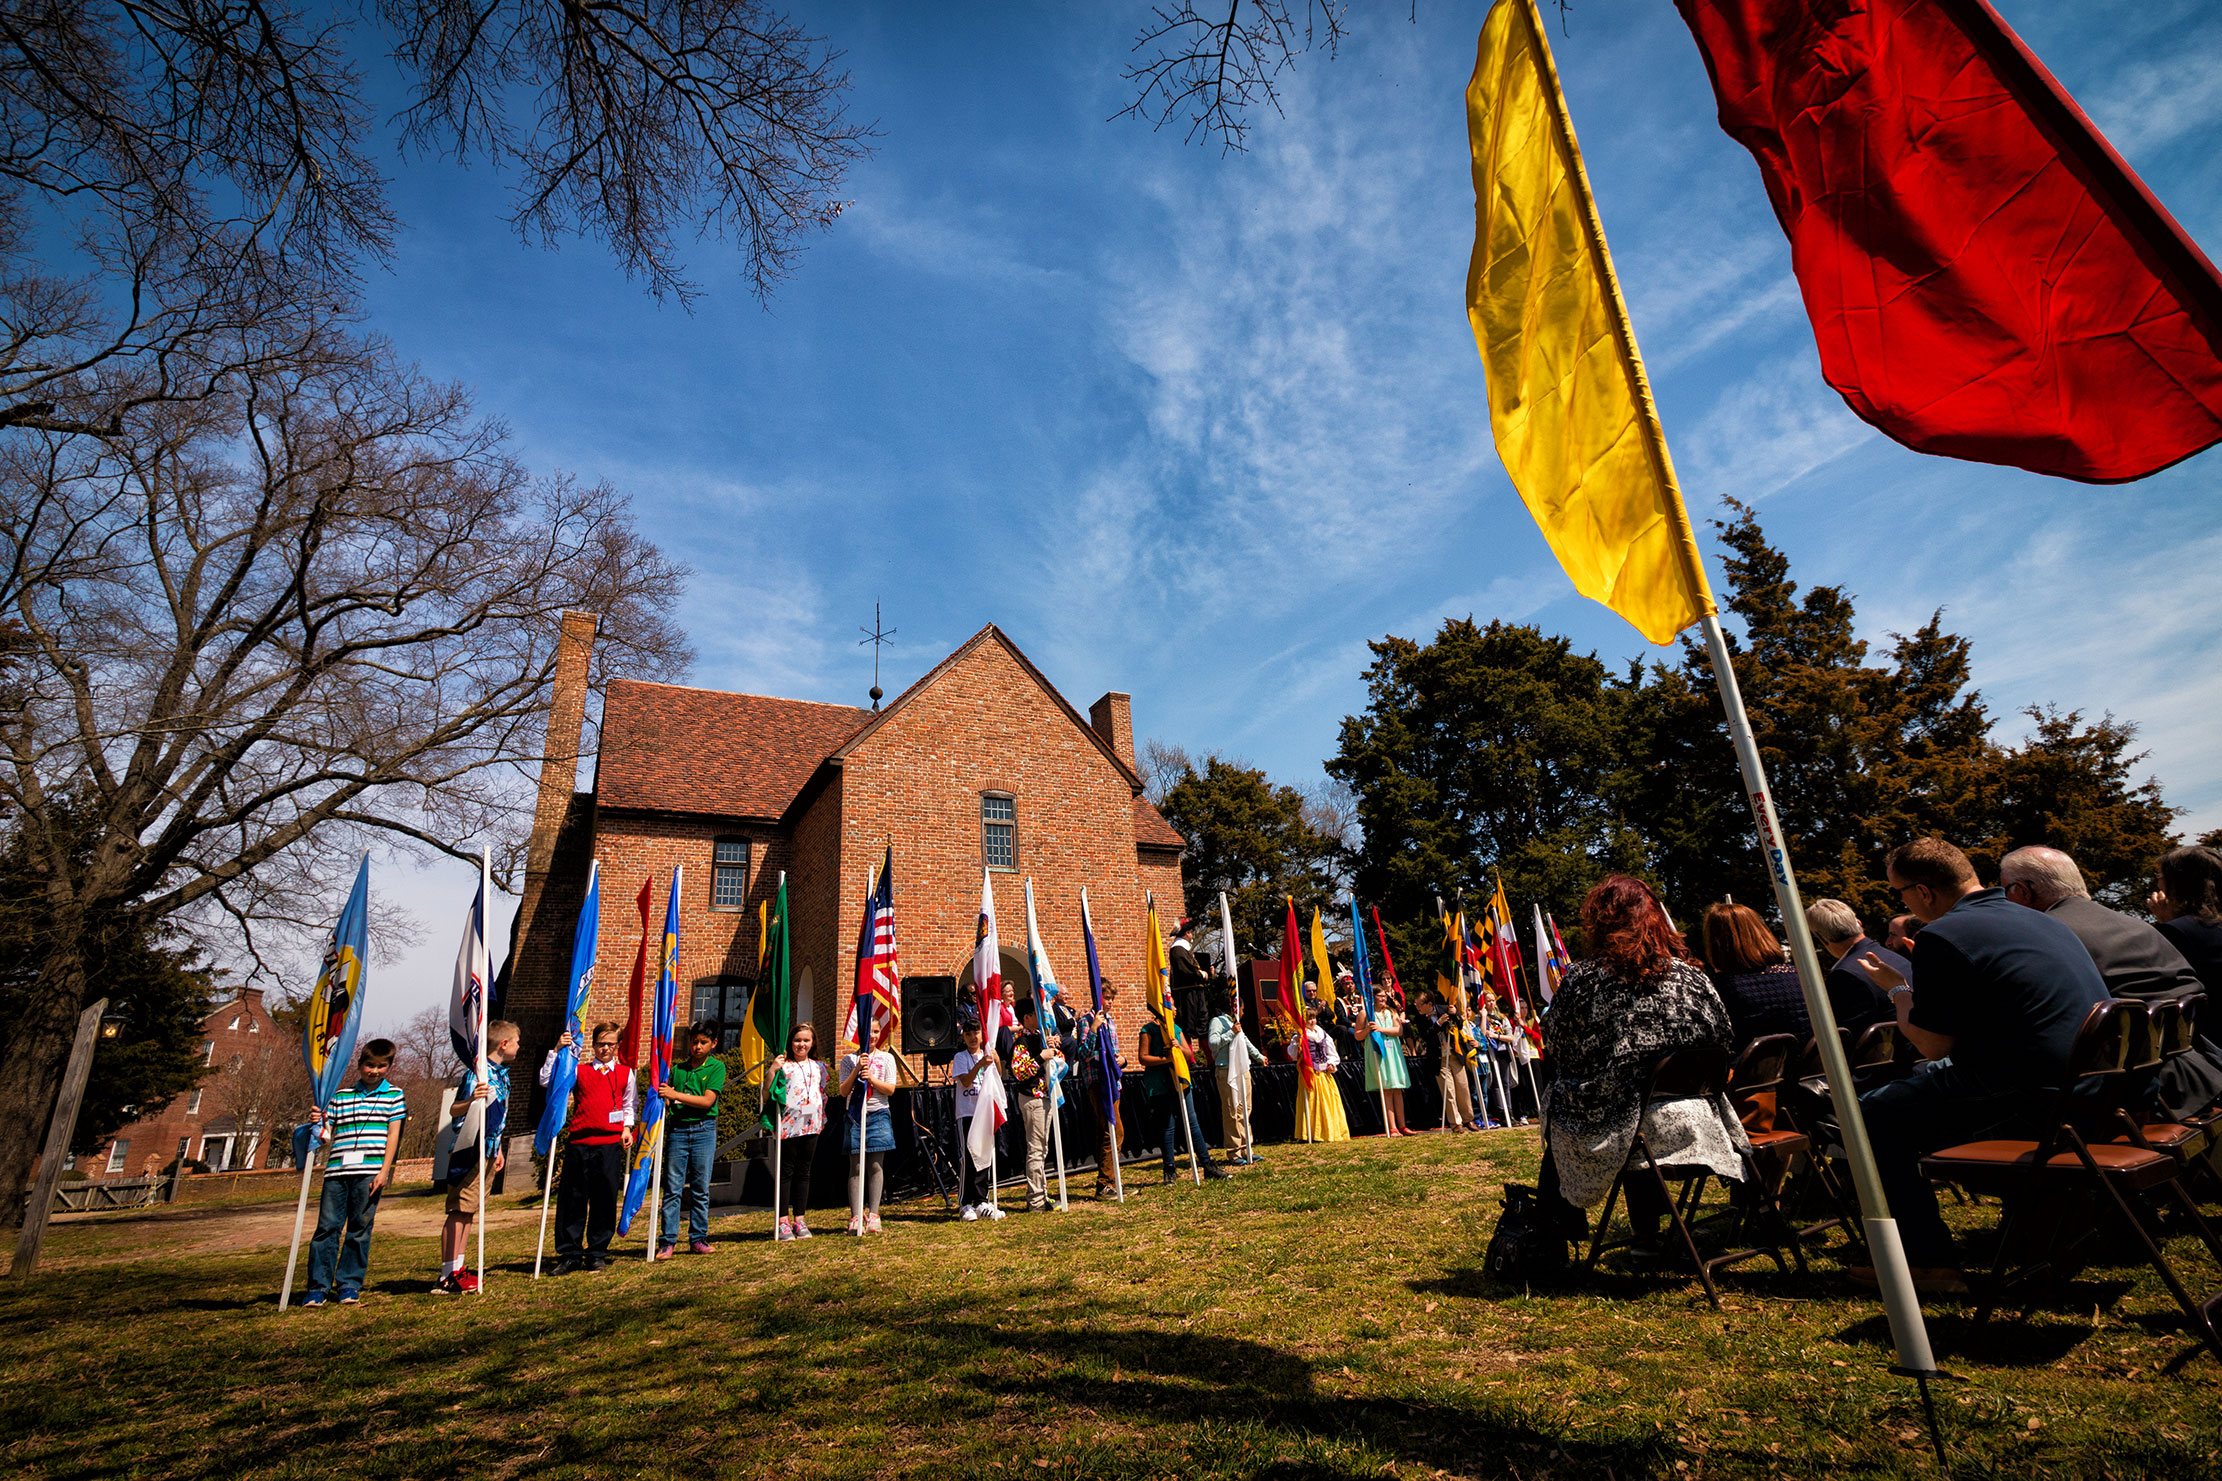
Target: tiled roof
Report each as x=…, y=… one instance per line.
x=667, y=748
x=1151, y=830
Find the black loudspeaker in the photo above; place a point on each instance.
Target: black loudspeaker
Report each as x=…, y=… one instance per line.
x=930, y=1018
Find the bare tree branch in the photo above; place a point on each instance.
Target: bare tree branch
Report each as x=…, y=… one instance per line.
x=1213, y=70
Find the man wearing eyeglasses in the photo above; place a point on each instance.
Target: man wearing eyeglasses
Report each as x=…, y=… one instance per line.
x=2002, y=992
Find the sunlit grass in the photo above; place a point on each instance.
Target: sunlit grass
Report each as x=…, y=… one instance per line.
x=1322, y=1316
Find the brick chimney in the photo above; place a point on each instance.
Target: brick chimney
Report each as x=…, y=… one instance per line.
x=559, y=766
x=1112, y=717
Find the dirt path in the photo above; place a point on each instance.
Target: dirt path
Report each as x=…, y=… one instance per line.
x=100, y=1239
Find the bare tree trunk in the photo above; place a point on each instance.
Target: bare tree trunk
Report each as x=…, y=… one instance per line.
x=31, y=1073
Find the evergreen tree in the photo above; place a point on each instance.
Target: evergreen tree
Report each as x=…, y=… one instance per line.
x=1492, y=749
x=1254, y=840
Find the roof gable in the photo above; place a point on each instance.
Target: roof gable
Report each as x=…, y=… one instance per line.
x=986, y=634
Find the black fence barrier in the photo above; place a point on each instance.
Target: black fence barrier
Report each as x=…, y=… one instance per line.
x=926, y=1159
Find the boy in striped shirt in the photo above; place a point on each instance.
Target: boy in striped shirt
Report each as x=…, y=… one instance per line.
x=363, y=1128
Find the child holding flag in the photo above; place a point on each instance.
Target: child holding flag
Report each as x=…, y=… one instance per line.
x=365, y=1121
x=975, y=1199
x=867, y=1080
x=604, y=1105
x=462, y=1167
x=691, y=1139
x=800, y=1092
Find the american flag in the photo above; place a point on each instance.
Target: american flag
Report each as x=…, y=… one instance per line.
x=879, y=967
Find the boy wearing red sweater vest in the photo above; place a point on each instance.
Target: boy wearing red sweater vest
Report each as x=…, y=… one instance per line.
x=600, y=1141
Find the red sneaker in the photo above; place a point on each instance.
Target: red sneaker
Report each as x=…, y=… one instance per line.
x=699, y=1247
x=466, y=1284
x=445, y=1286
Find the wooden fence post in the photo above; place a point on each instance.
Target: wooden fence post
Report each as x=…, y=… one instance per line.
x=58, y=1134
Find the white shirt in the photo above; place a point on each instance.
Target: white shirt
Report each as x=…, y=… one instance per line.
x=1323, y=1049
x=881, y=1066
x=968, y=1096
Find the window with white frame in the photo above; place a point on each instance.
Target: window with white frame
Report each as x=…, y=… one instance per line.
x=998, y=830
x=193, y=1104
x=118, y=1150
x=208, y=1052
x=729, y=874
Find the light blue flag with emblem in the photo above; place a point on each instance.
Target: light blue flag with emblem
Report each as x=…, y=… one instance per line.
x=585, y=941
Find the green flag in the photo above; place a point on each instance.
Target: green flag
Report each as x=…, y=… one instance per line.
x=764, y=1033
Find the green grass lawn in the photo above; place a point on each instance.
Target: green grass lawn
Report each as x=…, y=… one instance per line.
x=1321, y=1316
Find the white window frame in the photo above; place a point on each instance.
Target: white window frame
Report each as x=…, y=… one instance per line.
x=118, y=1151
x=193, y=1102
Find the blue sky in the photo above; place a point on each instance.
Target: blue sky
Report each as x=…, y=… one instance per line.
x=1198, y=427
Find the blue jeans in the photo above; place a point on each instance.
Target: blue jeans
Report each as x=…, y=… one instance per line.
x=1174, y=1139
x=687, y=1154
x=346, y=1208
x=1927, y=1112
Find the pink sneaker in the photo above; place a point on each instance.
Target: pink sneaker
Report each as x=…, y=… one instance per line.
x=872, y=1222
x=699, y=1247
x=786, y=1230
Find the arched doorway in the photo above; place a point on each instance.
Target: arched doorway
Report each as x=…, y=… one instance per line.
x=1018, y=982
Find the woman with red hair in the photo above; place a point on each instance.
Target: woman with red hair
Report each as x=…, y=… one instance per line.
x=1632, y=1000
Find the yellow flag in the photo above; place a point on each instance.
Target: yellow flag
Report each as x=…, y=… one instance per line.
x=1160, y=990
x=1568, y=401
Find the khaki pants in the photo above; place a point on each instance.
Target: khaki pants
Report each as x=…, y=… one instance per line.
x=1458, y=1100
x=1034, y=1111
x=1234, y=1122
x=1107, y=1155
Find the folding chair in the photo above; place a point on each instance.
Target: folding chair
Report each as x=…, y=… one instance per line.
x=2163, y=1035
x=1880, y=1056
x=2028, y=1176
x=1688, y=1074
x=1755, y=1086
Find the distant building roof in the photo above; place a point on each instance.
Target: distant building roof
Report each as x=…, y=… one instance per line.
x=669, y=748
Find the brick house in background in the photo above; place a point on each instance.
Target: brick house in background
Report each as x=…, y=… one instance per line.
x=215, y=1122
x=981, y=763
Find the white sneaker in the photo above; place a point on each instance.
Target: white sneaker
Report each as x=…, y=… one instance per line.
x=969, y=1214
x=995, y=1213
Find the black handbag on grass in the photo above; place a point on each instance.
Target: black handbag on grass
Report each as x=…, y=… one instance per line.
x=1525, y=1250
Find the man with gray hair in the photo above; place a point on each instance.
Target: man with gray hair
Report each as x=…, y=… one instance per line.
x=2136, y=960
x=1853, y=996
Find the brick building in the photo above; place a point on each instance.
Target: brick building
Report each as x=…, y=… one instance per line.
x=218, y=1121
x=981, y=763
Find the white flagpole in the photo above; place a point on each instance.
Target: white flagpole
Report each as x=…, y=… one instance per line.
x=300, y=1212
x=547, y=1186
x=1057, y=1140
x=483, y=960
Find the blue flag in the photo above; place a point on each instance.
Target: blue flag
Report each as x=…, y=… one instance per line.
x=335, y=1006
x=585, y=941
x=1107, y=1054
x=1365, y=978
x=659, y=1064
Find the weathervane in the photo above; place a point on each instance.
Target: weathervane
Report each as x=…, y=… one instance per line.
x=877, y=637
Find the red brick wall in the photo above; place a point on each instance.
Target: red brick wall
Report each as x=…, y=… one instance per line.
x=987, y=725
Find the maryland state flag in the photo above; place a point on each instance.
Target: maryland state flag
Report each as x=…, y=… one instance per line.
x=1450, y=966
x=1160, y=974
x=335, y=1006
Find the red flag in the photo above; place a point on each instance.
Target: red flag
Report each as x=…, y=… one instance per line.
x=1292, y=992
x=1986, y=278
x=628, y=1045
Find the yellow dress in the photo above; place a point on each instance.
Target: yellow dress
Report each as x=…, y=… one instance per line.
x=1319, y=1113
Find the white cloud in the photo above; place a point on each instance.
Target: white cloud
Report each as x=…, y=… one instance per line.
x=2155, y=103
x=1770, y=429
